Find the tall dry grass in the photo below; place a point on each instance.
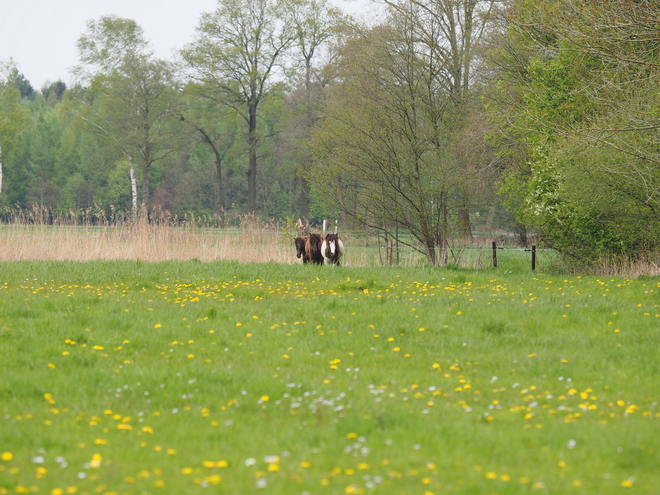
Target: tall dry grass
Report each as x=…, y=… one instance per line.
x=94, y=234
x=141, y=241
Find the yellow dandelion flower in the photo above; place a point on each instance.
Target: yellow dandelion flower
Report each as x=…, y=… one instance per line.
x=7, y=456
x=96, y=461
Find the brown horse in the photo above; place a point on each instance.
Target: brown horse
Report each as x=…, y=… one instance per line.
x=313, y=249
x=332, y=249
x=300, y=248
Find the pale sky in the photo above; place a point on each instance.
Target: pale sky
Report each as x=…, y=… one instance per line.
x=40, y=35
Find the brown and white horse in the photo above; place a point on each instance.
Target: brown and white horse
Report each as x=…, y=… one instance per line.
x=332, y=249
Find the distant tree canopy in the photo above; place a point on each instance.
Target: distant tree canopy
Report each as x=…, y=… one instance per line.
x=439, y=119
x=54, y=90
x=19, y=81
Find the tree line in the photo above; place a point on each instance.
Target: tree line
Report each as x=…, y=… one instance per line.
x=436, y=117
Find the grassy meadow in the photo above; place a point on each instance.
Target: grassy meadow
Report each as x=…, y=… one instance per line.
x=129, y=377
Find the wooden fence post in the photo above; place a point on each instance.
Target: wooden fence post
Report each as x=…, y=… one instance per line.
x=534, y=258
x=495, y=254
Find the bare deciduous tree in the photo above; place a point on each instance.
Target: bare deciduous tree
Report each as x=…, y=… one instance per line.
x=235, y=60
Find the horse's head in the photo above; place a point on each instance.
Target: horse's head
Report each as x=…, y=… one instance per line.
x=315, y=241
x=300, y=246
x=331, y=240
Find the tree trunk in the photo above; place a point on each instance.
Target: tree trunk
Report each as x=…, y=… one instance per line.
x=145, y=189
x=134, y=195
x=431, y=254
x=490, y=219
x=304, y=184
x=304, y=199
x=218, y=173
x=221, y=193
x=252, y=158
x=464, y=224
x=444, y=229
x=428, y=234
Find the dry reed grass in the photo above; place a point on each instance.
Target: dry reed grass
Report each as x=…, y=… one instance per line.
x=628, y=268
x=251, y=243
x=141, y=242
x=94, y=234
x=37, y=234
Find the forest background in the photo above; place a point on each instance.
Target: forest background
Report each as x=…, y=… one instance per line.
x=440, y=118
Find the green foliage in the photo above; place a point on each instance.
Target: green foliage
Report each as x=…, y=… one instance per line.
x=117, y=190
x=13, y=119
x=18, y=80
x=576, y=113
x=53, y=92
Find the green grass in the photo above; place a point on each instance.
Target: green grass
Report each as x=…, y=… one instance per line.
x=129, y=377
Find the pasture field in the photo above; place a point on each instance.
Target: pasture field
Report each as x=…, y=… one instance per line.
x=125, y=377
